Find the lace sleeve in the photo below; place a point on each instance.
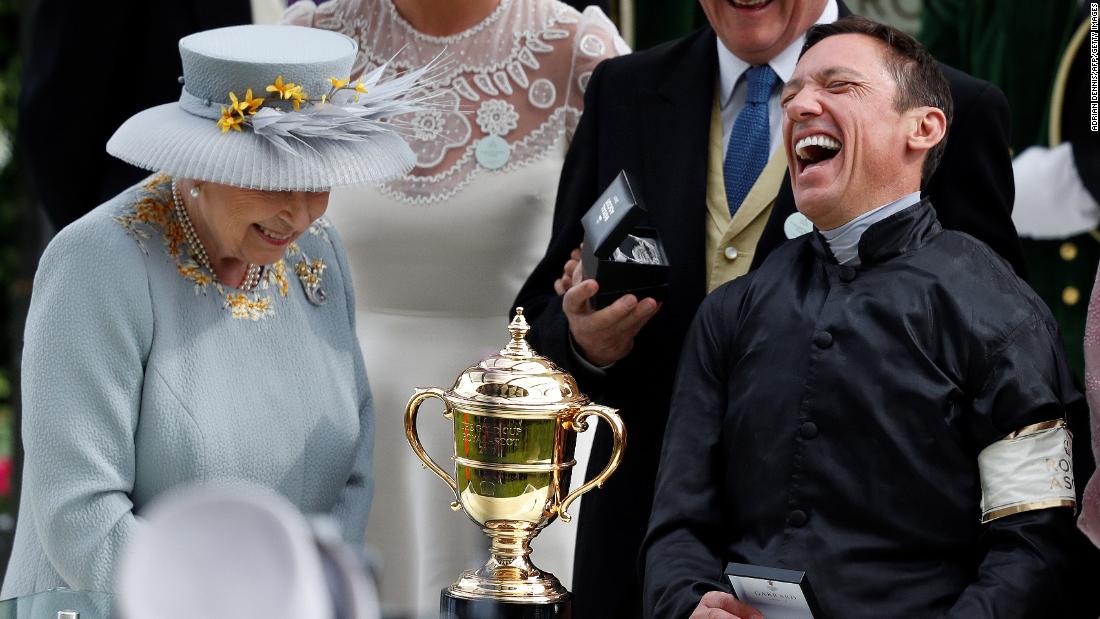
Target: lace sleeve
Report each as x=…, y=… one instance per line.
x=596, y=40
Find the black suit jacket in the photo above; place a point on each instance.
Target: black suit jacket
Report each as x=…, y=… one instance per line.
x=91, y=65
x=649, y=113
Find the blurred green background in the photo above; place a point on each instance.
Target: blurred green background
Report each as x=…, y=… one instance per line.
x=13, y=290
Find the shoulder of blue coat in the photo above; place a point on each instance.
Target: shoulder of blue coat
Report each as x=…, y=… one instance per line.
x=143, y=213
x=99, y=238
x=93, y=271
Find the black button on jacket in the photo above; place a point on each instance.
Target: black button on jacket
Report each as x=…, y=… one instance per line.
x=834, y=427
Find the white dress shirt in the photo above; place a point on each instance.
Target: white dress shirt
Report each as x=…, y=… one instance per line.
x=733, y=88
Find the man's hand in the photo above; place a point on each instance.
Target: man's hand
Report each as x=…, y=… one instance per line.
x=565, y=282
x=607, y=335
x=718, y=605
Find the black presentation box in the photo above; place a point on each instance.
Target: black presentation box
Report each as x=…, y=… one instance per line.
x=621, y=251
x=778, y=593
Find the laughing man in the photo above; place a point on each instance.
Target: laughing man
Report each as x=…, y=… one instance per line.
x=880, y=404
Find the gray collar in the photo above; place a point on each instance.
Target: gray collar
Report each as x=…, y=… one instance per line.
x=844, y=240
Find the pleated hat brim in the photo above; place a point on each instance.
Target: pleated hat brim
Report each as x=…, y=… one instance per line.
x=169, y=139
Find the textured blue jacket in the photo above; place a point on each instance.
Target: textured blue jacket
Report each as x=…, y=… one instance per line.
x=141, y=373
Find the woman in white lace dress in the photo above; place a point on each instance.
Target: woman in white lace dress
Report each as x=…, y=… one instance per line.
x=438, y=256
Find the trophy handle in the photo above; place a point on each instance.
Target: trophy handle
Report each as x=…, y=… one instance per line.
x=414, y=440
x=610, y=415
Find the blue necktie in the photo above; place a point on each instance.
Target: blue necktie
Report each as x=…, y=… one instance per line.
x=750, y=140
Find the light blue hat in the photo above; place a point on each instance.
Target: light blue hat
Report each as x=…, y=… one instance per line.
x=312, y=131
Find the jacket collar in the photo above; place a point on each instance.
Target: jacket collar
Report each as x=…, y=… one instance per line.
x=900, y=233
x=693, y=77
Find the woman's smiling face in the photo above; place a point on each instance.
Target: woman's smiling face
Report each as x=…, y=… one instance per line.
x=252, y=225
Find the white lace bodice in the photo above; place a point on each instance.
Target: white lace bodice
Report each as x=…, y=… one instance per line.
x=437, y=257
x=518, y=77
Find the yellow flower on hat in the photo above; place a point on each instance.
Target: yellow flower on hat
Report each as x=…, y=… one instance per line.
x=248, y=105
x=229, y=121
x=338, y=83
x=297, y=96
x=284, y=89
x=360, y=88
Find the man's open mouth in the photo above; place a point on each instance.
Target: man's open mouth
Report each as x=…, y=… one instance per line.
x=815, y=149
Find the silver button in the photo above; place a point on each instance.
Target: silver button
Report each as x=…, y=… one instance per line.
x=731, y=253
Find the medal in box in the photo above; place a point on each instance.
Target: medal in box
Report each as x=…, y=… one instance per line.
x=620, y=250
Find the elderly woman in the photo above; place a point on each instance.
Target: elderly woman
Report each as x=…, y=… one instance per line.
x=200, y=325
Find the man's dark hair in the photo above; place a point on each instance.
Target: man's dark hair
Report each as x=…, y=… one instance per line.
x=916, y=73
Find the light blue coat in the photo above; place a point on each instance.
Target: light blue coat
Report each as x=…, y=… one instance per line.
x=136, y=380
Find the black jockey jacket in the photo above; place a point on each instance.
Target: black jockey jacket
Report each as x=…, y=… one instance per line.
x=829, y=418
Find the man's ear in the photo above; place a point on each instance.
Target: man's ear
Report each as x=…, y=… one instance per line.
x=928, y=128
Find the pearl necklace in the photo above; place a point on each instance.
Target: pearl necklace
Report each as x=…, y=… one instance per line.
x=252, y=274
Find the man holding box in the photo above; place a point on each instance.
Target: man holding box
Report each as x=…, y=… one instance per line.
x=881, y=404
x=686, y=120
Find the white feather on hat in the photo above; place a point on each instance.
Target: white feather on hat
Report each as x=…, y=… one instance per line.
x=308, y=128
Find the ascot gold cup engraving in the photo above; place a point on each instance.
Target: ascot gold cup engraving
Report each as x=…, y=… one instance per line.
x=515, y=417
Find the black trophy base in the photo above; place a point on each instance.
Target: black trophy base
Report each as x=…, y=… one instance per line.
x=451, y=607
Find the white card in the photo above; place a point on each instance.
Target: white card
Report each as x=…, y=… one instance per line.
x=776, y=599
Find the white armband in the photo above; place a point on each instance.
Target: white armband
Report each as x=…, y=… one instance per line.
x=1031, y=468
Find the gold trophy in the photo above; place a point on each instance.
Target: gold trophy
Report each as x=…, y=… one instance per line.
x=516, y=417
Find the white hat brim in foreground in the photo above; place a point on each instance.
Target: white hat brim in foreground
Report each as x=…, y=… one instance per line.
x=168, y=139
x=222, y=551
